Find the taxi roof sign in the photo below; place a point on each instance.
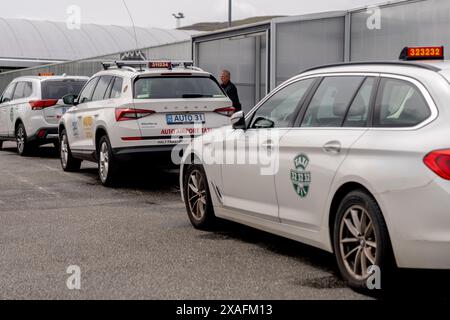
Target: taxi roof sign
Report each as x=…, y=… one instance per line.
x=422, y=53
x=46, y=74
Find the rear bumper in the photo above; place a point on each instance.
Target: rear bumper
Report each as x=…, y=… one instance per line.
x=419, y=225
x=44, y=136
x=161, y=155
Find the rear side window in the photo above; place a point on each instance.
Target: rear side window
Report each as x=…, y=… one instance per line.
x=100, y=90
x=23, y=90
x=175, y=87
x=86, y=94
x=116, y=90
x=56, y=89
x=331, y=101
x=358, y=112
x=399, y=104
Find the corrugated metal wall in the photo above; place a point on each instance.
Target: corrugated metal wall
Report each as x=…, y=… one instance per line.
x=175, y=51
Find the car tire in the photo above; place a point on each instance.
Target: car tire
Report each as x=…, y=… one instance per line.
x=107, y=164
x=24, y=147
x=197, y=198
x=361, y=240
x=68, y=162
x=1, y=144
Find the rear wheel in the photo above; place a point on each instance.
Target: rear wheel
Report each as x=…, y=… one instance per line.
x=1, y=145
x=107, y=164
x=68, y=162
x=198, y=198
x=24, y=148
x=361, y=241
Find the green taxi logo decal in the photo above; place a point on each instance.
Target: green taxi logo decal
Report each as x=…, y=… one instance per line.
x=301, y=179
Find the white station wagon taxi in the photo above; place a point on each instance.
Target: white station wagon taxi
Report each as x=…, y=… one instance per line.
x=363, y=165
x=135, y=110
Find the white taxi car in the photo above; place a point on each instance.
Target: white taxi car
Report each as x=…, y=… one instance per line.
x=363, y=165
x=139, y=111
x=30, y=109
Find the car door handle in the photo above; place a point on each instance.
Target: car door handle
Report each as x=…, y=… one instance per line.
x=267, y=145
x=332, y=147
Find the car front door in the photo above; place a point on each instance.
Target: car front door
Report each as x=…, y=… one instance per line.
x=250, y=157
x=312, y=151
x=5, y=117
x=78, y=125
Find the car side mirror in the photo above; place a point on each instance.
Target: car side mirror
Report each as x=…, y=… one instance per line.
x=238, y=121
x=263, y=123
x=4, y=100
x=70, y=99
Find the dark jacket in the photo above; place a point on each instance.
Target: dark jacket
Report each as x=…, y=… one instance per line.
x=232, y=93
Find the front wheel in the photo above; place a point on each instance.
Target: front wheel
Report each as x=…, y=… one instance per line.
x=198, y=198
x=361, y=242
x=107, y=164
x=24, y=147
x=68, y=162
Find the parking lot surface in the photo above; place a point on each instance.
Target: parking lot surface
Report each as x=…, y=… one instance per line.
x=135, y=242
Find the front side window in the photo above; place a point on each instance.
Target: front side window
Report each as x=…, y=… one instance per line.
x=400, y=104
x=331, y=101
x=177, y=87
x=86, y=94
x=100, y=89
x=280, y=109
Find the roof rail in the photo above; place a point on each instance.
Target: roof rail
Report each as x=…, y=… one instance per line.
x=149, y=64
x=360, y=63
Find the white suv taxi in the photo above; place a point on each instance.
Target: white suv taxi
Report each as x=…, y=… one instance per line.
x=137, y=110
x=361, y=165
x=30, y=109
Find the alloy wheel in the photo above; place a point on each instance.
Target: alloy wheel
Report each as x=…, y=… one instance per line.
x=196, y=193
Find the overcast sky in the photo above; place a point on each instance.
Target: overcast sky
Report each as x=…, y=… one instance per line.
x=158, y=13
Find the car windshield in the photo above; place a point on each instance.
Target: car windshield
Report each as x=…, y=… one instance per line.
x=177, y=87
x=56, y=89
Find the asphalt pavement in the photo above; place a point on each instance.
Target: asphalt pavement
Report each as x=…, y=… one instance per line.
x=136, y=242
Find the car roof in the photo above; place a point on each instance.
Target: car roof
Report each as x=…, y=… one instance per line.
x=408, y=68
x=125, y=72
x=45, y=78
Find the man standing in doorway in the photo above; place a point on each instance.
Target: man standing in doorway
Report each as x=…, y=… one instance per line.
x=230, y=89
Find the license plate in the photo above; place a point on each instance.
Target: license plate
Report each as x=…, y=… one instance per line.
x=185, y=118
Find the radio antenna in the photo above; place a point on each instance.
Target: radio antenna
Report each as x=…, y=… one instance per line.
x=134, y=26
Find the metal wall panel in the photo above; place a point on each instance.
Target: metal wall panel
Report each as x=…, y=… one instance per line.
x=237, y=55
x=415, y=23
x=307, y=43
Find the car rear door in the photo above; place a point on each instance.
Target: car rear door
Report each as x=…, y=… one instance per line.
x=312, y=151
x=172, y=106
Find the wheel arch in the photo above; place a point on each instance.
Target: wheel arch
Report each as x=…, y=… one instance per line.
x=99, y=133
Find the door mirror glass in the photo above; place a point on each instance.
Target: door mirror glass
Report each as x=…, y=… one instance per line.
x=70, y=99
x=263, y=123
x=238, y=120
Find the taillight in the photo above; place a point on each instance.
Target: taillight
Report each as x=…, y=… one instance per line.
x=42, y=104
x=439, y=162
x=228, y=111
x=132, y=114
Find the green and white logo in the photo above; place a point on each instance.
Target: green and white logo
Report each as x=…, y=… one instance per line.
x=301, y=179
